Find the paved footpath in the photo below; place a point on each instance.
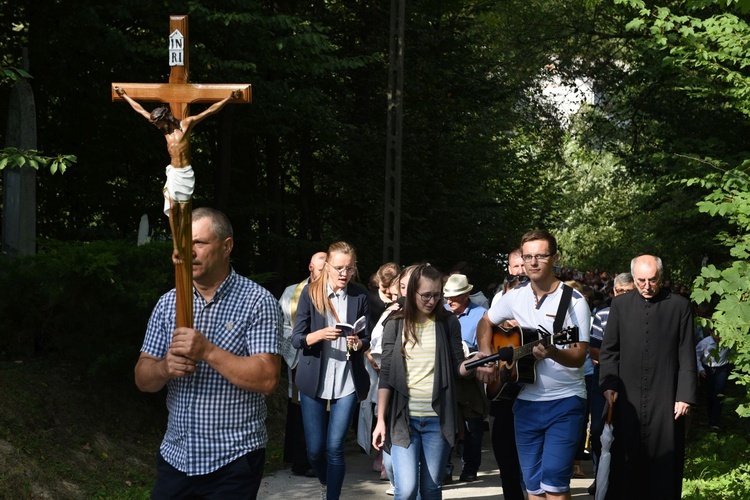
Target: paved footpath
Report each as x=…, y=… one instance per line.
x=362, y=482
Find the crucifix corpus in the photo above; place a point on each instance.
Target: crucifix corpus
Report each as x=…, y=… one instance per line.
x=176, y=124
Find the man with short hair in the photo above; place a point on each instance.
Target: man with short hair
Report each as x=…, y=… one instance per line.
x=217, y=374
x=648, y=375
x=295, y=449
x=501, y=410
x=472, y=402
x=623, y=284
x=515, y=268
x=548, y=412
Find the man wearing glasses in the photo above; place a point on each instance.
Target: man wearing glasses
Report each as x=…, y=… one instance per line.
x=648, y=374
x=550, y=411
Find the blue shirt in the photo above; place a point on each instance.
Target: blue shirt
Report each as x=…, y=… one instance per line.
x=708, y=353
x=469, y=320
x=212, y=421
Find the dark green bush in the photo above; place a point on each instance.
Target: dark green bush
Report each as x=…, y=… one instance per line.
x=87, y=303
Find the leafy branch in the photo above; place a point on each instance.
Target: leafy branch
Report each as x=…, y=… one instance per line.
x=13, y=74
x=14, y=157
x=728, y=286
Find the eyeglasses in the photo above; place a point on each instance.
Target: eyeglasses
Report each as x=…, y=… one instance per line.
x=426, y=297
x=342, y=269
x=541, y=257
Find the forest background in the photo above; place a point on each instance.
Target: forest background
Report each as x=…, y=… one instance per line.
x=620, y=125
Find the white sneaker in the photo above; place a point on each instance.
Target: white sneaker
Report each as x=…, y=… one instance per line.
x=323, y=492
x=390, y=491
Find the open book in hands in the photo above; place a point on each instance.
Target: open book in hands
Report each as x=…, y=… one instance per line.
x=348, y=330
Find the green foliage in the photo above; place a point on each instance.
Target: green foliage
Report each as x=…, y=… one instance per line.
x=13, y=157
x=12, y=74
x=728, y=284
x=90, y=302
x=718, y=467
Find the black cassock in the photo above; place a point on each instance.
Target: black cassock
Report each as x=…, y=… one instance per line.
x=648, y=357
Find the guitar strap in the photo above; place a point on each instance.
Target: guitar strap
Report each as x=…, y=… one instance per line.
x=562, y=309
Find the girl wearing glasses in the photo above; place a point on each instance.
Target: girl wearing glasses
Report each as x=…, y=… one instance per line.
x=331, y=371
x=422, y=354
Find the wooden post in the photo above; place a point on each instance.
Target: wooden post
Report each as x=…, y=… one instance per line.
x=180, y=94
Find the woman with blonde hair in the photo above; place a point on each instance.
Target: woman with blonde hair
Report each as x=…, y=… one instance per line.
x=331, y=371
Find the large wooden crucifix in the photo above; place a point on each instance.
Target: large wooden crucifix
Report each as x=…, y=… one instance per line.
x=179, y=94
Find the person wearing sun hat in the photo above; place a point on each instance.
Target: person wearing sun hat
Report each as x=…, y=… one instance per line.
x=456, y=293
x=472, y=402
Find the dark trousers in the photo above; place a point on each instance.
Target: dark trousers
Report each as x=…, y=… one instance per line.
x=295, y=449
x=716, y=384
x=237, y=480
x=504, y=448
x=598, y=405
x=581, y=451
x=473, y=432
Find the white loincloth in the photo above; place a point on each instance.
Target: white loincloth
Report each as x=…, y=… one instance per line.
x=179, y=186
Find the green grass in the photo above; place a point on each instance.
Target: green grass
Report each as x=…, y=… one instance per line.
x=717, y=464
x=66, y=436
x=63, y=436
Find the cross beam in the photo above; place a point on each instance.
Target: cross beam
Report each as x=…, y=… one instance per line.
x=187, y=93
x=180, y=94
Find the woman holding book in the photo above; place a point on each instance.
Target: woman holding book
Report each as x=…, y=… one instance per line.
x=331, y=371
x=417, y=410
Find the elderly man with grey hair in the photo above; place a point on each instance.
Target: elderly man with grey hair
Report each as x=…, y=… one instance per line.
x=649, y=378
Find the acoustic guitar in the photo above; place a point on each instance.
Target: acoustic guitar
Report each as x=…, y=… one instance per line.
x=512, y=348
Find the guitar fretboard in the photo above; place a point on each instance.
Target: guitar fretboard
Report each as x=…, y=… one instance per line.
x=525, y=350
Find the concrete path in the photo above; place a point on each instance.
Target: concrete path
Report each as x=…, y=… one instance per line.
x=362, y=482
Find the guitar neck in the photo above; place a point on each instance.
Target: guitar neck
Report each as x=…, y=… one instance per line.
x=525, y=350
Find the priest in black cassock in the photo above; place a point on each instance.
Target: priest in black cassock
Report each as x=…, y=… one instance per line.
x=648, y=373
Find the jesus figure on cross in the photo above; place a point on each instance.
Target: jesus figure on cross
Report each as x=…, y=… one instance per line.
x=180, y=177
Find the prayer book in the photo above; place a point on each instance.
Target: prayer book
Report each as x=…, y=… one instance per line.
x=347, y=329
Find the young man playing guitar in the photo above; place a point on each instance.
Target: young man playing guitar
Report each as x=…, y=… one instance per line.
x=550, y=411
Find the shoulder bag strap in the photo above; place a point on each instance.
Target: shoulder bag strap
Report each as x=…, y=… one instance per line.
x=562, y=310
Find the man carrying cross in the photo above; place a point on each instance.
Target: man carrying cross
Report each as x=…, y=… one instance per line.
x=216, y=374
x=180, y=176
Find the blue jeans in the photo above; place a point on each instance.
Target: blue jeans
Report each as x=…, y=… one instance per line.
x=547, y=437
x=419, y=469
x=325, y=435
x=388, y=465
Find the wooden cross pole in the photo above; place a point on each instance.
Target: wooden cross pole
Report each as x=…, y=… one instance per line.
x=179, y=94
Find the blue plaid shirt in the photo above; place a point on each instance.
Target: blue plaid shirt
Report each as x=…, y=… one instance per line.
x=211, y=421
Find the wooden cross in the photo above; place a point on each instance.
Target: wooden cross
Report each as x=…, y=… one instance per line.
x=180, y=94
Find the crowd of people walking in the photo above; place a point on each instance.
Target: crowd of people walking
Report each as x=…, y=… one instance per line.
x=418, y=361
